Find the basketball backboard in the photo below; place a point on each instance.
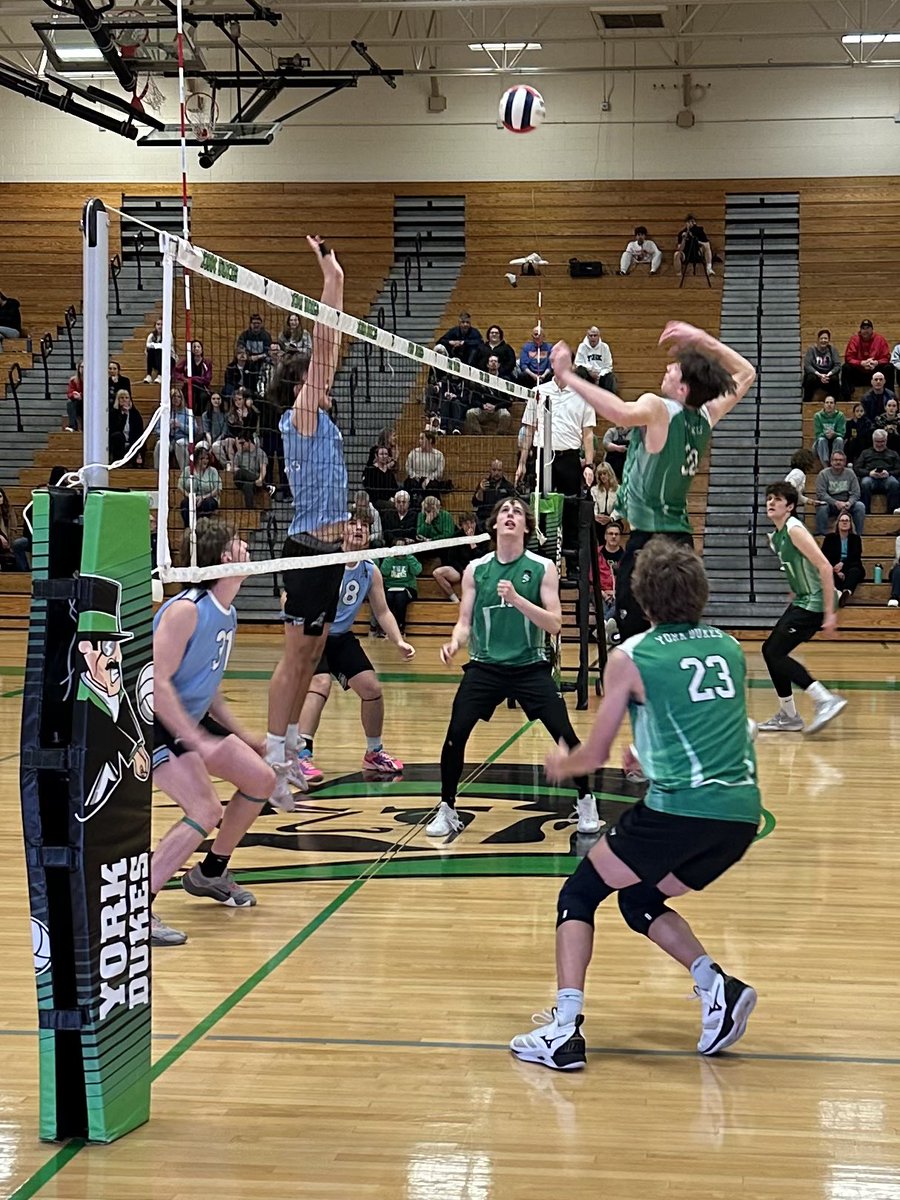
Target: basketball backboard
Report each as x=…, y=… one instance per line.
x=241, y=133
x=148, y=43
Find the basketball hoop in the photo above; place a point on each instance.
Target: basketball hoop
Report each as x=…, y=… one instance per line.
x=131, y=32
x=200, y=113
x=147, y=95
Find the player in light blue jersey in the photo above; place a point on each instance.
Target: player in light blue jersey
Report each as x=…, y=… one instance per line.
x=196, y=735
x=684, y=684
x=345, y=660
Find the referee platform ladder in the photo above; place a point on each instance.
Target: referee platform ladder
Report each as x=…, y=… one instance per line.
x=754, y=443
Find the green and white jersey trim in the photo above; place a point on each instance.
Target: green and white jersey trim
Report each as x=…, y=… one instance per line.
x=655, y=487
x=803, y=578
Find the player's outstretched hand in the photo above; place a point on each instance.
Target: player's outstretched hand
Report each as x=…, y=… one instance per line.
x=406, y=650
x=561, y=358
x=679, y=335
x=327, y=258
x=556, y=764
x=448, y=650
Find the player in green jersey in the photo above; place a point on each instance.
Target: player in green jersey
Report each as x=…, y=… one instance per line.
x=670, y=435
x=812, y=608
x=683, y=684
x=510, y=602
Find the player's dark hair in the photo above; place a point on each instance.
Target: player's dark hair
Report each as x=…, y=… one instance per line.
x=804, y=460
x=491, y=523
x=290, y=374
x=212, y=537
x=705, y=378
x=784, y=491
x=669, y=583
x=640, y=229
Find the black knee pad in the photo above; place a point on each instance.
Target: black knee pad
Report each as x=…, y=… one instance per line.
x=580, y=895
x=640, y=905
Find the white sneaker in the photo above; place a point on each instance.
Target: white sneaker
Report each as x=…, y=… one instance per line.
x=560, y=1047
x=586, y=811
x=726, y=1009
x=445, y=822
x=611, y=627
x=710, y=271
x=453, y=598
x=893, y=603
x=162, y=934
x=781, y=723
x=282, y=797
x=147, y=379
x=825, y=712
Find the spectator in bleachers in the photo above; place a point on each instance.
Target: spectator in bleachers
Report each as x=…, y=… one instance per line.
x=876, y=397
x=200, y=372
x=399, y=520
x=866, y=353
x=837, y=491
x=362, y=503
x=693, y=246
x=489, y=410
x=22, y=545
x=386, y=437
x=255, y=342
x=822, y=368
x=641, y=250
x=10, y=318
x=242, y=417
x=117, y=380
x=492, y=489
x=596, y=357
x=829, y=427
x=858, y=435
x=888, y=421
x=125, y=427
x=455, y=560
x=878, y=469
x=434, y=522
x=894, y=578
x=843, y=549
x=895, y=363
x=425, y=468
x=250, y=466
x=379, y=479
x=7, y=535
x=802, y=462
x=205, y=483
x=154, y=353
x=495, y=343
x=237, y=374
x=604, y=491
x=294, y=337
x=445, y=400
x=213, y=424
x=268, y=370
x=615, y=447
x=179, y=423
x=534, y=360
x=400, y=573
x=463, y=341
x=75, y=400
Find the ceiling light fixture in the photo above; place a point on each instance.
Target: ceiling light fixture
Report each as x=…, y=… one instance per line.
x=79, y=53
x=487, y=47
x=866, y=39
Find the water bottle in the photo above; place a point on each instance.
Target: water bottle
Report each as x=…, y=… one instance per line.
x=876, y=574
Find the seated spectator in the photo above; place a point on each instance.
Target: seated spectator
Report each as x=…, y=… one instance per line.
x=294, y=337
x=489, y=411
x=837, y=491
x=237, y=375
x=268, y=368
x=75, y=401
x=179, y=425
x=434, y=522
x=596, y=358
x=117, y=381
x=822, y=369
x=492, y=489
x=205, y=484
x=604, y=490
x=7, y=535
x=608, y=559
x=455, y=560
x=641, y=250
x=693, y=246
x=866, y=353
x=496, y=344
x=153, y=346
x=379, y=480
x=876, y=398
x=125, y=427
x=888, y=421
x=200, y=373
x=895, y=363
x=858, y=435
x=241, y=417
x=214, y=426
x=425, y=467
x=802, y=463
x=534, y=360
x=843, y=549
x=894, y=578
x=10, y=318
x=362, y=503
x=400, y=573
x=463, y=341
x=399, y=522
x=250, y=464
x=615, y=446
x=255, y=342
x=445, y=398
x=878, y=469
x=829, y=427
x=22, y=545
x=386, y=437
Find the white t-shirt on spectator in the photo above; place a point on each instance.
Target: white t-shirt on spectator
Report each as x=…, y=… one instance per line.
x=570, y=416
x=425, y=464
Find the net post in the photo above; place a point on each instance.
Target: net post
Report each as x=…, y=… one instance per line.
x=163, y=550
x=95, y=309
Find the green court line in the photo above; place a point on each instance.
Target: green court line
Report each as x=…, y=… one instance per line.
x=10, y=695
x=50, y=1168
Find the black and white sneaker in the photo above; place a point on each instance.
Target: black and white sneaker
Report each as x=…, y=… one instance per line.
x=726, y=1010
x=560, y=1047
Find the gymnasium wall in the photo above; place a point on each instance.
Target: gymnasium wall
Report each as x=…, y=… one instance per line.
x=771, y=122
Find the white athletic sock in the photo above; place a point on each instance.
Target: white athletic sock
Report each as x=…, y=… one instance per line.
x=373, y=744
x=788, y=706
x=818, y=693
x=292, y=739
x=703, y=972
x=569, y=1003
x=274, y=748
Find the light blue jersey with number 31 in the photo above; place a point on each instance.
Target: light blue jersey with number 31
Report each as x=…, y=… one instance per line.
x=206, y=656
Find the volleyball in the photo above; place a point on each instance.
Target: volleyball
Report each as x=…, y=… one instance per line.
x=40, y=945
x=143, y=693
x=522, y=109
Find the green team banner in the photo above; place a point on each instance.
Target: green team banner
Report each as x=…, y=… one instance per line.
x=85, y=781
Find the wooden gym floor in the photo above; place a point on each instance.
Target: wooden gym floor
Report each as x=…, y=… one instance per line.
x=347, y=1037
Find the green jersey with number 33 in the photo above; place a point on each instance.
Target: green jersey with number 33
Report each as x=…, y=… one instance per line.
x=654, y=491
x=691, y=732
